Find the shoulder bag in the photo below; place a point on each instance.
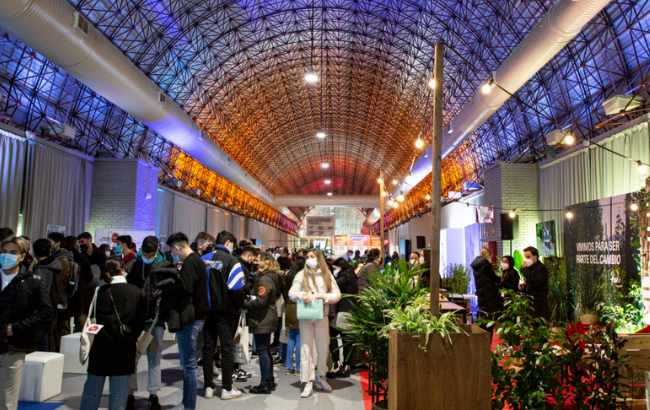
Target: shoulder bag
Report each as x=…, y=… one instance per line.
x=89, y=331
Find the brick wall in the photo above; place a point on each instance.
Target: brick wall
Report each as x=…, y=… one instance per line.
x=118, y=195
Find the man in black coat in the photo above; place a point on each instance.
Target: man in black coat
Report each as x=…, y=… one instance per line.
x=487, y=291
x=536, y=286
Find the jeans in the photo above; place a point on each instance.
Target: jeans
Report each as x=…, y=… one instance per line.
x=153, y=361
x=222, y=325
x=118, y=392
x=11, y=373
x=294, y=345
x=263, y=343
x=187, y=351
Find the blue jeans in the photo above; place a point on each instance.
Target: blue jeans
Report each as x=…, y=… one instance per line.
x=187, y=352
x=153, y=361
x=294, y=344
x=118, y=392
x=263, y=343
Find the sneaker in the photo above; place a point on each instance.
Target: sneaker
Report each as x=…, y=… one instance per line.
x=153, y=402
x=289, y=371
x=219, y=380
x=209, y=393
x=308, y=390
x=130, y=402
x=297, y=373
x=239, y=378
x=278, y=360
x=322, y=383
x=243, y=373
x=233, y=393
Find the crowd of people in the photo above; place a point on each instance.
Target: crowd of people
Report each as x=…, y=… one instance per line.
x=57, y=285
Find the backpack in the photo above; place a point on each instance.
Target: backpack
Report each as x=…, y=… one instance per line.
x=73, y=281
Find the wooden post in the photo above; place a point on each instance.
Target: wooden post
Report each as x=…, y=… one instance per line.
x=381, y=215
x=436, y=179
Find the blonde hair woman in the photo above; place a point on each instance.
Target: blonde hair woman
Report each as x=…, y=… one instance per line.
x=487, y=289
x=312, y=283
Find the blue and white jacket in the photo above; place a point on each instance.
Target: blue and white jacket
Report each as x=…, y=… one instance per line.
x=226, y=281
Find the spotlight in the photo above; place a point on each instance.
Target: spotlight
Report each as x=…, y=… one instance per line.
x=311, y=77
x=380, y=180
x=569, y=215
x=409, y=179
x=513, y=214
x=325, y=165
x=487, y=87
x=569, y=139
x=428, y=197
x=395, y=205
x=329, y=194
x=321, y=134
x=641, y=169
x=432, y=83
x=419, y=143
x=400, y=197
x=384, y=193
x=391, y=202
x=395, y=182
x=634, y=207
x=327, y=182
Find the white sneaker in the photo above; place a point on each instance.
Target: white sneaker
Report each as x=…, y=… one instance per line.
x=232, y=394
x=209, y=393
x=219, y=380
x=322, y=383
x=179, y=406
x=308, y=390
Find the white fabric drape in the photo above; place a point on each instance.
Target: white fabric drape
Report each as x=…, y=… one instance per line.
x=164, y=214
x=188, y=216
x=13, y=152
x=55, y=192
x=593, y=173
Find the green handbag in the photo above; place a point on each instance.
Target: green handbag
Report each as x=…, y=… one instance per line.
x=315, y=311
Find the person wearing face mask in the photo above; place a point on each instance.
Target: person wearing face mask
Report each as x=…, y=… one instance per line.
x=487, y=290
x=148, y=262
x=347, y=282
x=227, y=291
x=96, y=257
x=24, y=307
x=291, y=318
x=203, y=244
x=369, y=269
x=510, y=279
x=312, y=283
x=536, y=287
x=80, y=301
x=124, y=245
x=414, y=259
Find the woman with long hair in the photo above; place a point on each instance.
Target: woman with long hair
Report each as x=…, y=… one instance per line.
x=262, y=317
x=291, y=318
x=314, y=282
x=510, y=279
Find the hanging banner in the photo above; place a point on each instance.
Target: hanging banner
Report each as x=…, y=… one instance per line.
x=375, y=242
x=359, y=240
x=109, y=236
x=341, y=240
x=321, y=226
x=485, y=214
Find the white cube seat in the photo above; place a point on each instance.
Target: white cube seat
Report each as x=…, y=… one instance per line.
x=42, y=377
x=70, y=345
x=169, y=337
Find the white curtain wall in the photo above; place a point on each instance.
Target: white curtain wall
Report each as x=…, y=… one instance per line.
x=593, y=173
x=189, y=216
x=55, y=191
x=13, y=155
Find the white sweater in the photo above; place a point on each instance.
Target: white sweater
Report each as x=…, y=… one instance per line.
x=296, y=292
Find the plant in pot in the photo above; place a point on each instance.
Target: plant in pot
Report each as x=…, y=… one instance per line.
x=592, y=292
x=560, y=291
x=394, y=289
x=457, y=278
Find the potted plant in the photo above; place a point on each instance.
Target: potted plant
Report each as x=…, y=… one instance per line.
x=457, y=278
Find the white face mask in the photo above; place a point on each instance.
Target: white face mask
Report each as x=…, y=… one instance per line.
x=529, y=262
x=414, y=261
x=108, y=254
x=504, y=266
x=421, y=259
x=312, y=263
x=336, y=272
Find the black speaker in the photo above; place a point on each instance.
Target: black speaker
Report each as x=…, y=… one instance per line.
x=509, y=227
x=405, y=245
x=421, y=242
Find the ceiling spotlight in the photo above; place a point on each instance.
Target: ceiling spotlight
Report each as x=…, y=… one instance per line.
x=391, y=202
x=311, y=77
x=380, y=180
x=409, y=179
x=329, y=194
x=569, y=215
x=419, y=143
x=395, y=205
x=512, y=214
x=569, y=139
x=384, y=193
x=321, y=134
x=327, y=182
x=641, y=169
x=432, y=83
x=400, y=197
x=634, y=207
x=487, y=87
x=428, y=197
x=325, y=165
x=395, y=182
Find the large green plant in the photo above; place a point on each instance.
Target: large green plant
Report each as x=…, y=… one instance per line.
x=560, y=291
x=393, y=290
x=627, y=311
x=457, y=278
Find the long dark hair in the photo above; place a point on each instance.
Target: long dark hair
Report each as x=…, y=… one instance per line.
x=345, y=267
x=298, y=265
x=511, y=263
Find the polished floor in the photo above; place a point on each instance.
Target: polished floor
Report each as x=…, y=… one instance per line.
x=346, y=395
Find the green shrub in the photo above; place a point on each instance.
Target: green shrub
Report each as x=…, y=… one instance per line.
x=457, y=278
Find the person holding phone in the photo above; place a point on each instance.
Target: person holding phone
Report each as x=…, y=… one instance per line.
x=313, y=283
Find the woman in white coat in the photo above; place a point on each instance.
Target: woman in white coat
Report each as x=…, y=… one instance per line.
x=314, y=282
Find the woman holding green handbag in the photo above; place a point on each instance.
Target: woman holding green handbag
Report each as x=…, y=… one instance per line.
x=314, y=288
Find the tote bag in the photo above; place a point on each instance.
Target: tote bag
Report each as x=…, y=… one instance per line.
x=89, y=331
x=145, y=340
x=242, y=354
x=315, y=311
x=285, y=336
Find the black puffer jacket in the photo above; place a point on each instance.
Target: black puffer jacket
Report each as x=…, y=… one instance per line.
x=25, y=305
x=537, y=287
x=261, y=313
x=348, y=284
x=510, y=279
x=487, y=291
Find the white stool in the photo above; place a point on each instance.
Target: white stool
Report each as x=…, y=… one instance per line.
x=42, y=377
x=70, y=345
x=169, y=337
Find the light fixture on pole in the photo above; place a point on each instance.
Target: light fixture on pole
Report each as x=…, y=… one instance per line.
x=325, y=165
x=419, y=143
x=321, y=134
x=311, y=77
x=428, y=197
x=390, y=202
x=395, y=205
x=395, y=182
x=569, y=215
x=487, y=87
x=432, y=83
x=384, y=194
x=380, y=180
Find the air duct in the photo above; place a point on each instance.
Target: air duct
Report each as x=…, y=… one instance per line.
x=55, y=30
x=372, y=218
x=358, y=201
x=558, y=27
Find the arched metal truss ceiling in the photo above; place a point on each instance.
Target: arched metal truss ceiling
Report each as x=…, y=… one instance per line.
x=237, y=68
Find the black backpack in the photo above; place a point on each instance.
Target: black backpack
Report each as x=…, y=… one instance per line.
x=73, y=281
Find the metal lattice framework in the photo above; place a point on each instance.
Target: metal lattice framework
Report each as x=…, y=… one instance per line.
x=237, y=68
